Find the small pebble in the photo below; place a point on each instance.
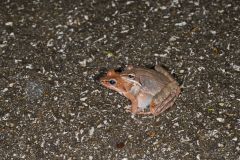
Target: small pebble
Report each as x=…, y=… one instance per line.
x=222, y=120
x=221, y=104
x=9, y=24
x=181, y=24
x=181, y=71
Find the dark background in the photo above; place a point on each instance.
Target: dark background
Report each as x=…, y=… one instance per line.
x=52, y=108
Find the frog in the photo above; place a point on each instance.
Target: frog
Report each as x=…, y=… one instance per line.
x=151, y=91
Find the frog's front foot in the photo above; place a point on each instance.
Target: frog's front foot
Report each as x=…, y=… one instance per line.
x=133, y=108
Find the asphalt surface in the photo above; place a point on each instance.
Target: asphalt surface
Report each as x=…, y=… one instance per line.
x=51, y=107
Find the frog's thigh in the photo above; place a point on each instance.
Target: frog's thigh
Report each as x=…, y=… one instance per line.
x=171, y=88
x=165, y=105
x=165, y=98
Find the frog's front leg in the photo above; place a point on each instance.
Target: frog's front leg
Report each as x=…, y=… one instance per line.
x=134, y=105
x=165, y=98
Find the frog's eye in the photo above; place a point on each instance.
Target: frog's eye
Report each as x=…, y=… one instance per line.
x=131, y=76
x=112, y=81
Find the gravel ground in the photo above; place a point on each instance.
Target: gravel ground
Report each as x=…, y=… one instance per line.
x=52, y=108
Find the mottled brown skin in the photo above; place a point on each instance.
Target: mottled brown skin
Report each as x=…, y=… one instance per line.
x=145, y=88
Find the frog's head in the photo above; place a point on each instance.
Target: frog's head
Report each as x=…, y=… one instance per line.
x=113, y=80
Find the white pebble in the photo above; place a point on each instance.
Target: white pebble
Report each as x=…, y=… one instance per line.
x=213, y=32
x=180, y=24
x=100, y=125
x=173, y=38
x=220, y=145
x=29, y=66
x=9, y=24
x=220, y=120
x=55, y=98
x=83, y=63
x=181, y=71
x=235, y=139
x=5, y=90
x=11, y=84
x=235, y=67
x=83, y=99
x=86, y=17
x=50, y=43
x=163, y=7
x=221, y=104
x=91, y=131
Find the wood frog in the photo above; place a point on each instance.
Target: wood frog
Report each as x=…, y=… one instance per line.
x=150, y=91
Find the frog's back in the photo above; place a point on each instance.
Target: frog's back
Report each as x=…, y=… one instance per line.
x=152, y=75
x=151, y=80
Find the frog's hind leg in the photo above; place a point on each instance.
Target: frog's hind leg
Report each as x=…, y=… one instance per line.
x=165, y=99
x=162, y=107
x=158, y=109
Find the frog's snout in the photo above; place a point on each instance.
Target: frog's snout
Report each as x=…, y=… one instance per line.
x=102, y=72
